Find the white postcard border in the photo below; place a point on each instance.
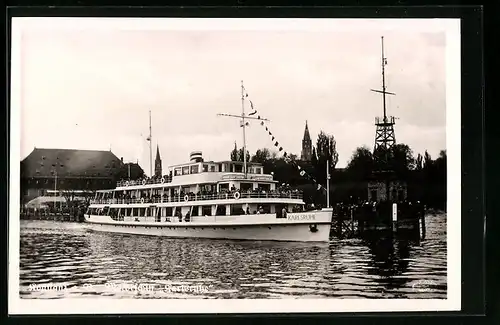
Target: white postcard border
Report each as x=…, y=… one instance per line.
x=196, y=306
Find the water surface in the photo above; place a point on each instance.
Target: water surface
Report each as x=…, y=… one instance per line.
x=66, y=260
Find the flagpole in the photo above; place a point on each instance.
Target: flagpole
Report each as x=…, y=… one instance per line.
x=243, y=125
x=55, y=190
x=327, y=184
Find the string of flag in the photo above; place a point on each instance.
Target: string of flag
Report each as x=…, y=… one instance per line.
x=276, y=143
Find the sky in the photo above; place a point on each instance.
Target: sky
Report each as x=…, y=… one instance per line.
x=92, y=88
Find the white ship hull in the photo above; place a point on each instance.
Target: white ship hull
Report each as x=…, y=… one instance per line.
x=313, y=226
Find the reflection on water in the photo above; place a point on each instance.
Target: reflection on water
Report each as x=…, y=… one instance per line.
x=80, y=262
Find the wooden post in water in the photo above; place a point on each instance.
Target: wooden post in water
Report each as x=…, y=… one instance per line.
x=422, y=218
x=352, y=220
x=394, y=216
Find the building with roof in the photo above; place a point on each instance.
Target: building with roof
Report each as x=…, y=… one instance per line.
x=306, y=153
x=68, y=170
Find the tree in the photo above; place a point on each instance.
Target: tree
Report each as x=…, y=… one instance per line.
x=402, y=158
x=427, y=160
x=234, y=153
x=240, y=155
x=326, y=150
x=361, y=163
x=419, y=162
x=399, y=158
x=261, y=156
x=314, y=157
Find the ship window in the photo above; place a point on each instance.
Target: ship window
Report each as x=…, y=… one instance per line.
x=206, y=210
x=205, y=168
x=194, y=211
x=185, y=170
x=212, y=168
x=221, y=210
x=246, y=186
x=237, y=210
x=177, y=171
x=265, y=187
x=194, y=169
x=266, y=208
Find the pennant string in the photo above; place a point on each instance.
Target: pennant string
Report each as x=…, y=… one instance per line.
x=286, y=156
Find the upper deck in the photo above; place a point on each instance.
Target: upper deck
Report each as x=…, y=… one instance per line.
x=200, y=172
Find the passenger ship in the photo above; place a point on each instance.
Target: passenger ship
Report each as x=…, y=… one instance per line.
x=226, y=200
x=209, y=200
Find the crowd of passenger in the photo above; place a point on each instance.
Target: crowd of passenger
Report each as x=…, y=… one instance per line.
x=283, y=191
x=146, y=180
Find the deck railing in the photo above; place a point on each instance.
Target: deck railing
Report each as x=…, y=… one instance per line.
x=200, y=197
x=163, y=180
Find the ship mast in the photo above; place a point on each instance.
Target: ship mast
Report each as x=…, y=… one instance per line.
x=243, y=127
x=383, y=79
x=244, y=124
x=150, y=147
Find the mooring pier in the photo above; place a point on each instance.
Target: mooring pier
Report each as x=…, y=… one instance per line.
x=357, y=220
x=70, y=215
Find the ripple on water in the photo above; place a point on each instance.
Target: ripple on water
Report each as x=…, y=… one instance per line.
x=88, y=263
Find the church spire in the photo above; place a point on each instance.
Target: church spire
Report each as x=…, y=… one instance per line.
x=157, y=153
x=158, y=169
x=307, y=137
x=306, y=145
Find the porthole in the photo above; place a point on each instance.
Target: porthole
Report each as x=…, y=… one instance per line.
x=234, y=228
x=269, y=227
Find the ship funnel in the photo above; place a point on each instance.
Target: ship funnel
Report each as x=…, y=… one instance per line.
x=196, y=156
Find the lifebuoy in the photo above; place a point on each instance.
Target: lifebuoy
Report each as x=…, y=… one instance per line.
x=237, y=195
x=163, y=180
x=127, y=183
x=186, y=198
x=142, y=200
x=144, y=182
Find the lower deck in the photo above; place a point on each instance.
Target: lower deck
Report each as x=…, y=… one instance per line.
x=186, y=212
x=311, y=226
